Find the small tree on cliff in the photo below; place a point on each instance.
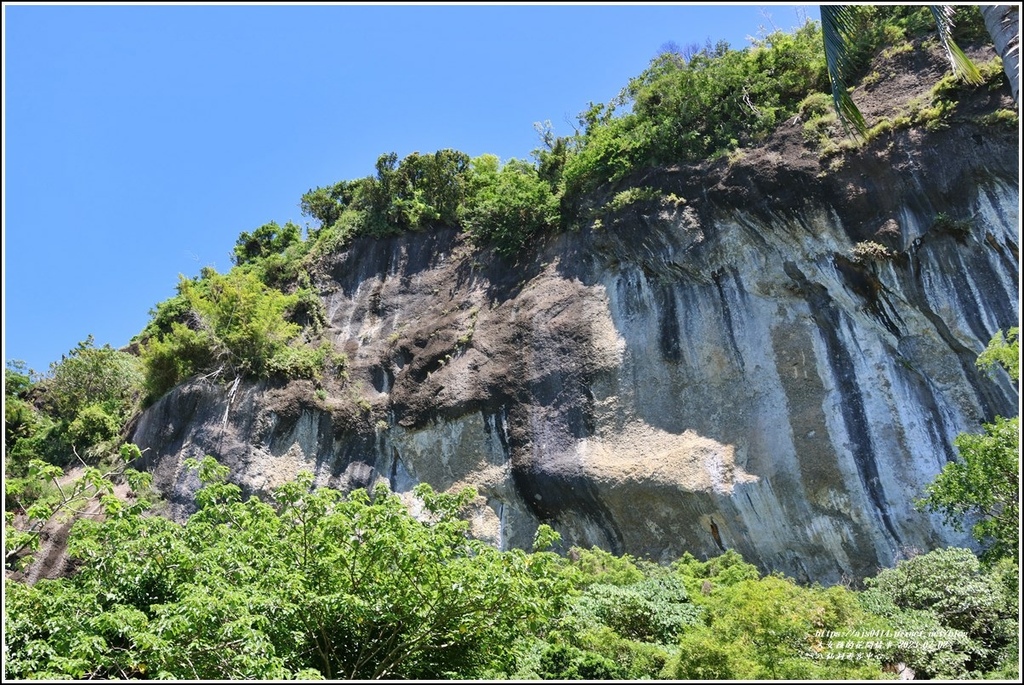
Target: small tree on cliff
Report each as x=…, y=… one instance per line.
x=986, y=482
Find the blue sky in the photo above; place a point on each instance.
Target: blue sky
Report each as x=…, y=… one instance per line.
x=139, y=141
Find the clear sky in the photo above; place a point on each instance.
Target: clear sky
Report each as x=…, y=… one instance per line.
x=140, y=140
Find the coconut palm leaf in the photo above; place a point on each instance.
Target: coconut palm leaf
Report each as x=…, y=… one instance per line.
x=963, y=67
x=837, y=26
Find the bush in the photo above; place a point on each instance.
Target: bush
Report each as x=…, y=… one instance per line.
x=305, y=361
x=654, y=610
x=268, y=239
x=507, y=206
x=234, y=319
x=947, y=582
x=564, y=662
x=90, y=375
x=172, y=358
x=704, y=656
x=870, y=251
x=93, y=424
x=20, y=418
x=815, y=105
x=1003, y=350
x=594, y=565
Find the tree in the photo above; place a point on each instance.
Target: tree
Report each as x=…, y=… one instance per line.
x=93, y=376
x=63, y=498
x=19, y=414
x=655, y=609
x=984, y=485
x=839, y=27
x=1003, y=350
x=965, y=616
x=508, y=204
x=326, y=204
x=948, y=582
x=266, y=240
x=310, y=584
x=78, y=409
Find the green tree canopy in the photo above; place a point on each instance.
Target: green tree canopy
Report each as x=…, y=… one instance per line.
x=311, y=584
x=266, y=240
x=985, y=486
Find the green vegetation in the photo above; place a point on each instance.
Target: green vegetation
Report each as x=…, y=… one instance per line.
x=233, y=323
x=315, y=584
x=311, y=584
x=1003, y=351
x=268, y=239
x=986, y=484
x=968, y=615
x=46, y=493
x=680, y=109
x=958, y=228
x=76, y=413
x=850, y=32
x=507, y=205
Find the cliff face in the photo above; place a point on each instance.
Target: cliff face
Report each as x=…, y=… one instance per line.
x=710, y=369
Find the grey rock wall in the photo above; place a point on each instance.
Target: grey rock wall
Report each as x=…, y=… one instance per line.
x=717, y=372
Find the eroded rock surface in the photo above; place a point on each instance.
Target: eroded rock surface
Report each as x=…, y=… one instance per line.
x=707, y=371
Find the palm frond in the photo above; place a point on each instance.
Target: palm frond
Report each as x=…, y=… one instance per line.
x=837, y=28
x=962, y=65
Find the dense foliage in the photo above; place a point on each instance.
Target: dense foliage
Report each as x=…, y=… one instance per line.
x=75, y=413
x=233, y=323
x=311, y=583
x=687, y=106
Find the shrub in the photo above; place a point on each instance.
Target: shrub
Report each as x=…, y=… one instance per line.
x=815, y=105
x=234, y=319
x=564, y=662
x=507, y=206
x=90, y=375
x=632, y=196
x=870, y=251
x=305, y=361
x=1002, y=351
x=958, y=228
x=654, y=610
x=948, y=582
x=268, y=239
x=595, y=565
x=94, y=424
x=704, y=656
x=171, y=358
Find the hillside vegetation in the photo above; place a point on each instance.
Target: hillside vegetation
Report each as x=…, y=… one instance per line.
x=314, y=583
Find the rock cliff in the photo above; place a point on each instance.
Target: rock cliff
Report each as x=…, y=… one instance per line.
x=713, y=367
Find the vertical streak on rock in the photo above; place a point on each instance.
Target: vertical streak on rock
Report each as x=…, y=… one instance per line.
x=829, y=322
